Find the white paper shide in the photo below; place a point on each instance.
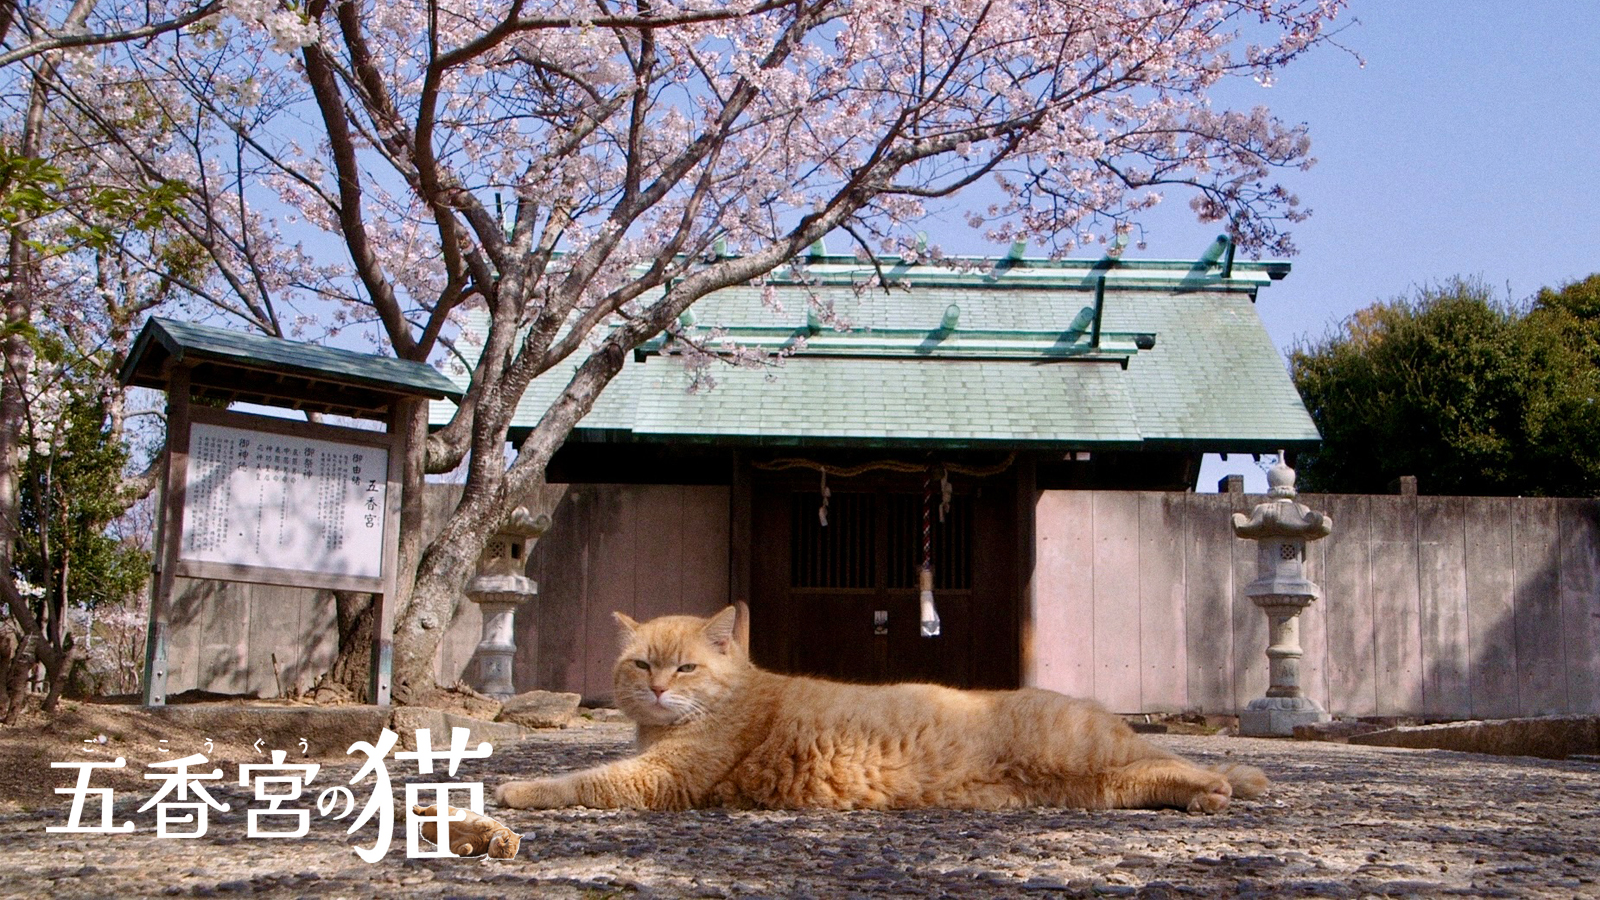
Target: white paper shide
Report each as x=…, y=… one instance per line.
x=256, y=498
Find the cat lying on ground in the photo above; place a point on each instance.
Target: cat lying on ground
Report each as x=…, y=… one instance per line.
x=715, y=730
x=472, y=834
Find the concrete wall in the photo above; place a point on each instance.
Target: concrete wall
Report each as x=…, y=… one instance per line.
x=1448, y=607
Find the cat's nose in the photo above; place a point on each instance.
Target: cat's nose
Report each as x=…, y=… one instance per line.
x=659, y=691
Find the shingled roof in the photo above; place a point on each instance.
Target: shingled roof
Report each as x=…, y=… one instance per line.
x=1010, y=355
x=233, y=366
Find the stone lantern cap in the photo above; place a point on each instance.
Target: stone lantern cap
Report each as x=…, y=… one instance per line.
x=1282, y=517
x=501, y=577
x=524, y=524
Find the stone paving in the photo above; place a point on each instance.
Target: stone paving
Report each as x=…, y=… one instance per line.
x=1340, y=821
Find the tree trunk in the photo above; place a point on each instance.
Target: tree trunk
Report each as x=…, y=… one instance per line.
x=16, y=677
x=58, y=668
x=10, y=646
x=21, y=262
x=420, y=628
x=348, y=677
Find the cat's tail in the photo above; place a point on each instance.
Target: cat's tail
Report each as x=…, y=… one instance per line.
x=1248, y=782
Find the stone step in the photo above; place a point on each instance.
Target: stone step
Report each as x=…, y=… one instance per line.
x=1548, y=737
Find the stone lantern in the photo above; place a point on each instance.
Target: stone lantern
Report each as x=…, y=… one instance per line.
x=499, y=588
x=1281, y=528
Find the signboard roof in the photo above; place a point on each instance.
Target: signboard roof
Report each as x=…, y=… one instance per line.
x=233, y=366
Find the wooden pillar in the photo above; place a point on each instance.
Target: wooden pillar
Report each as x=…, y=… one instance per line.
x=401, y=449
x=169, y=537
x=739, y=530
x=1027, y=501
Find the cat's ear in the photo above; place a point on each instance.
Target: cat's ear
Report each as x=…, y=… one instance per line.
x=741, y=628
x=629, y=626
x=720, y=631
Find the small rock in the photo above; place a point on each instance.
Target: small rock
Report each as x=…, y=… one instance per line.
x=1338, y=732
x=540, y=709
x=1148, y=727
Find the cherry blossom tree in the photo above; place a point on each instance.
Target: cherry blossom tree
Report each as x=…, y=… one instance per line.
x=68, y=286
x=570, y=165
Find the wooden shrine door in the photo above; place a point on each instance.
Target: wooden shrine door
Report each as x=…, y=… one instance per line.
x=841, y=601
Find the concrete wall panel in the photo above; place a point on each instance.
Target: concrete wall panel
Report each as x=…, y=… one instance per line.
x=1536, y=554
x=1115, y=620
x=1491, y=606
x=1063, y=651
x=1163, y=678
x=1580, y=602
x=1442, y=602
x=1208, y=603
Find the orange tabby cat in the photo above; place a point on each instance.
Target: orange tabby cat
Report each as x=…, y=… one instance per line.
x=715, y=730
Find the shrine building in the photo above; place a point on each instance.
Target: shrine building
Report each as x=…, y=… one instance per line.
x=905, y=426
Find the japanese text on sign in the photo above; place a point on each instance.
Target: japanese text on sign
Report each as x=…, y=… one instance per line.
x=262, y=499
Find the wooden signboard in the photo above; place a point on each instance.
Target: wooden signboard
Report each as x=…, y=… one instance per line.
x=265, y=500
x=284, y=503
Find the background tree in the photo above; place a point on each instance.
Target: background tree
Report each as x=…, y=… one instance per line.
x=1470, y=394
x=72, y=473
x=70, y=286
x=570, y=165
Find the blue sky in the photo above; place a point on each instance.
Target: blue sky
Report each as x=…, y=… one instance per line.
x=1468, y=144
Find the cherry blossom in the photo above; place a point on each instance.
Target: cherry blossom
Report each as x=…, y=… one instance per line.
x=585, y=170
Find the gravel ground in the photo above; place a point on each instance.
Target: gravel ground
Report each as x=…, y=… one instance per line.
x=1340, y=821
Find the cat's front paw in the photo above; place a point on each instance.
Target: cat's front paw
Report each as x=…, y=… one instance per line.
x=1213, y=798
x=540, y=793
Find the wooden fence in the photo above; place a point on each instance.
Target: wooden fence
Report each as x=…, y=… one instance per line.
x=1442, y=607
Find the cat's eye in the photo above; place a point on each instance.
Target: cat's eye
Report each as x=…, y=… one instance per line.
x=642, y=664
x=687, y=667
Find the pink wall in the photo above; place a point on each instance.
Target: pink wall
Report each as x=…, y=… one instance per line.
x=1447, y=607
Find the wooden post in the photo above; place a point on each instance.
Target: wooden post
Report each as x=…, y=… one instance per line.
x=169, y=536
x=380, y=688
x=739, y=529
x=1026, y=603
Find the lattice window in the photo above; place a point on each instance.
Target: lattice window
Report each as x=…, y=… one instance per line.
x=842, y=555
x=952, y=543
x=845, y=554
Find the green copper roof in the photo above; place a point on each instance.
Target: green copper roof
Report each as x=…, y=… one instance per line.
x=232, y=366
x=1181, y=361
